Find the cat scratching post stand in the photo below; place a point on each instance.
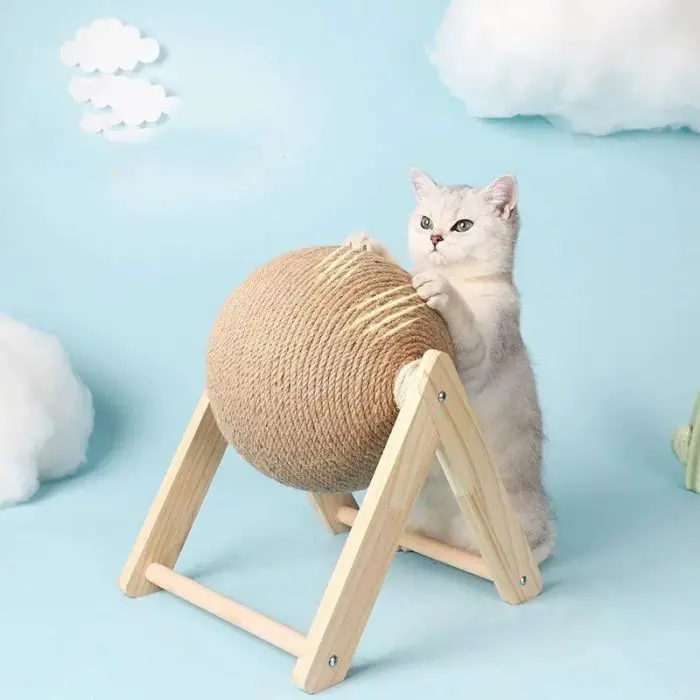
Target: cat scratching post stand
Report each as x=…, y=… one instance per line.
x=435, y=421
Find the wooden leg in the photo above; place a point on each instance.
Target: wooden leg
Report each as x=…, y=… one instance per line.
x=478, y=489
x=326, y=506
x=370, y=547
x=179, y=499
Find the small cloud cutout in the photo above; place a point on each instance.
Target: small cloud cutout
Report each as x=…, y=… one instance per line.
x=108, y=124
x=130, y=101
x=126, y=105
x=96, y=122
x=107, y=46
x=591, y=67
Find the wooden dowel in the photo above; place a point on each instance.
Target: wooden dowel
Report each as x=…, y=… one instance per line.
x=236, y=613
x=428, y=547
x=326, y=506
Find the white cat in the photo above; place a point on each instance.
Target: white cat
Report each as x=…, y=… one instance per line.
x=462, y=241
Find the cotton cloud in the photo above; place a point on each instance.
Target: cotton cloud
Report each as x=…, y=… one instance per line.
x=108, y=45
x=132, y=102
x=593, y=66
x=46, y=412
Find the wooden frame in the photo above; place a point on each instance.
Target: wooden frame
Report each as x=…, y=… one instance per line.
x=434, y=422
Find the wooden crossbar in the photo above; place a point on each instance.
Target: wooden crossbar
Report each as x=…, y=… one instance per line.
x=429, y=547
x=239, y=615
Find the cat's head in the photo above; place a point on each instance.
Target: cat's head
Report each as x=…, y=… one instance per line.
x=462, y=225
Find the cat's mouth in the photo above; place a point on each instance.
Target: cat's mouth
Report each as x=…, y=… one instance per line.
x=436, y=256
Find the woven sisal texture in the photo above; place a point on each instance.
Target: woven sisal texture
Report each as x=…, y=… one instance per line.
x=302, y=361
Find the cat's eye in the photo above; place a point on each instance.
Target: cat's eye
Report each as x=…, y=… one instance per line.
x=462, y=225
x=426, y=222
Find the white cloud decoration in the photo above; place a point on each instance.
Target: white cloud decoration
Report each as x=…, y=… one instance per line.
x=591, y=66
x=107, y=46
x=131, y=101
x=127, y=105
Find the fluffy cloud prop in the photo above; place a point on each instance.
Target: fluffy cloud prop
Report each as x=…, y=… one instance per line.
x=593, y=66
x=107, y=46
x=46, y=412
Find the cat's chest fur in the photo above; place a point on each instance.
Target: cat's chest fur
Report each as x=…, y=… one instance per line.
x=494, y=305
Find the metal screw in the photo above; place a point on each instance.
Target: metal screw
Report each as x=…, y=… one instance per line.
x=523, y=580
x=333, y=661
x=442, y=397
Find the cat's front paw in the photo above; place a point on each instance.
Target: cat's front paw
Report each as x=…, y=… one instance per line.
x=362, y=241
x=433, y=288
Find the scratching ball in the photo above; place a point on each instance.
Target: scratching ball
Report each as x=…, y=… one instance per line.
x=302, y=360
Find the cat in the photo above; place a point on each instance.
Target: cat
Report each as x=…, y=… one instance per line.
x=462, y=241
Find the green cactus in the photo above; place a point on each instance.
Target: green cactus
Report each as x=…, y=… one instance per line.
x=686, y=445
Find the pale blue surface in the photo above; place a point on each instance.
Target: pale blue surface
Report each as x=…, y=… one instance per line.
x=299, y=126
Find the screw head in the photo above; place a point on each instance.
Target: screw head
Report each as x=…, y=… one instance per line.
x=442, y=397
x=523, y=580
x=333, y=661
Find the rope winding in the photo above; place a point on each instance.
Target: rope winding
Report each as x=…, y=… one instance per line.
x=302, y=361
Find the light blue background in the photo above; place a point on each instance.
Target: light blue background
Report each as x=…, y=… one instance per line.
x=299, y=124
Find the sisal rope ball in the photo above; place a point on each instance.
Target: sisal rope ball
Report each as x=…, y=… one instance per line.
x=302, y=360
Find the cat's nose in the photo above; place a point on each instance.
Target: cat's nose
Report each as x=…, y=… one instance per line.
x=436, y=238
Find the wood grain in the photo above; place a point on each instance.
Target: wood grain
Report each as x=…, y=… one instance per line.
x=231, y=611
x=178, y=501
x=369, y=548
x=483, y=500
x=327, y=505
x=432, y=548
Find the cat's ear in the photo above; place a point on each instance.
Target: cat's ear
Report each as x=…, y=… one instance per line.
x=502, y=194
x=422, y=184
